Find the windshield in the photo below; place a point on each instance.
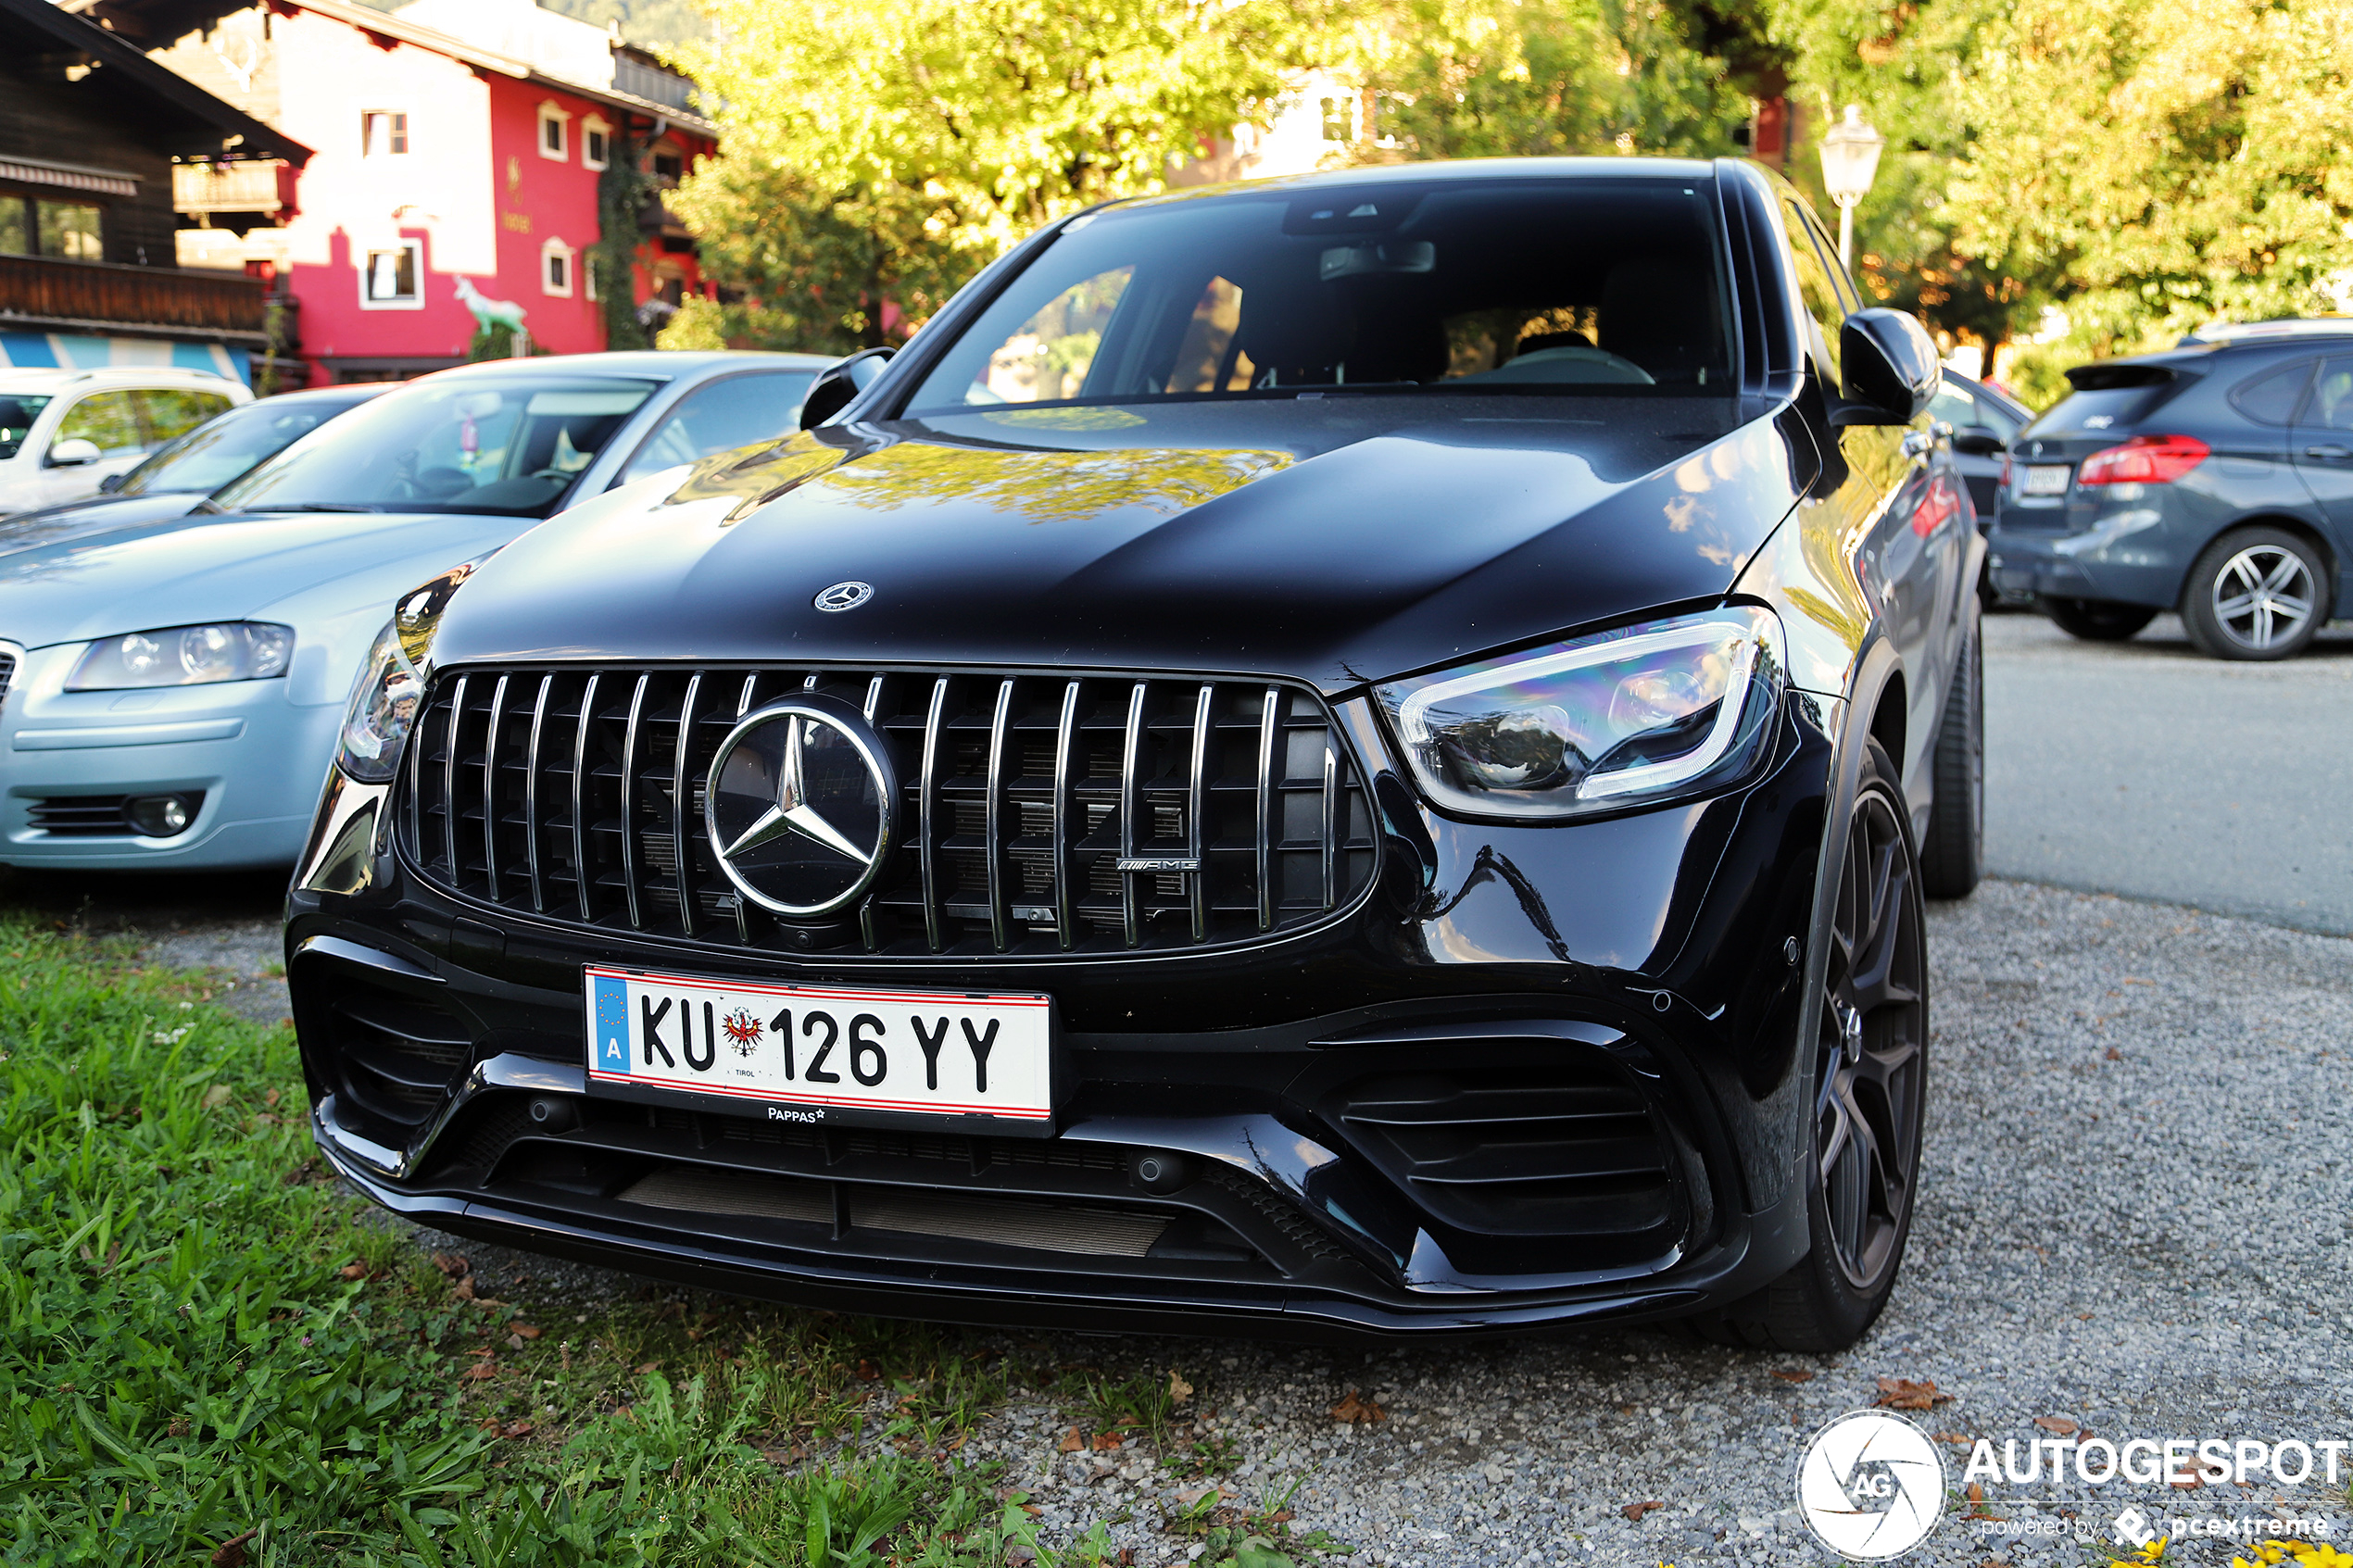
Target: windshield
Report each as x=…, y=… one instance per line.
x=508, y=444
x=1569, y=286
x=211, y=455
x=17, y=414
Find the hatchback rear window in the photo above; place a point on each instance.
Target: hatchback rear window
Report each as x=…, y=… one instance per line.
x=2095, y=413
x=1608, y=286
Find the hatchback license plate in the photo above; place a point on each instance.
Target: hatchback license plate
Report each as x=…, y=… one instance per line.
x=811, y=1053
x=2045, y=481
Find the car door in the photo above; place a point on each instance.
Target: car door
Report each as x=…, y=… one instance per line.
x=2322, y=442
x=1908, y=572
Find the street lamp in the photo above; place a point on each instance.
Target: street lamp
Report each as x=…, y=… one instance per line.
x=1850, y=158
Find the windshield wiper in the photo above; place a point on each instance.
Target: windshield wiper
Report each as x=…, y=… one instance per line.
x=311, y=507
x=206, y=505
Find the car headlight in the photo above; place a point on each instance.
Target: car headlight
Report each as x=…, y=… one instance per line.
x=185, y=655
x=391, y=687
x=1628, y=718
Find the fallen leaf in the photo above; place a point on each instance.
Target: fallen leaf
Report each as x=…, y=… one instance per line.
x=269, y=1097
x=1071, y=1442
x=1356, y=1406
x=2058, y=1425
x=1635, y=1510
x=1962, y=1438
x=1106, y=1440
x=481, y=1372
x=526, y=1330
x=1193, y=1496
x=1178, y=1389
x=515, y=1342
x=2083, y=1317
x=2112, y=1054
x=867, y=1372
x=1793, y=1375
x=454, y=1265
x=353, y=1271
x=214, y=1099
x=1904, y=1394
x=516, y=1429
x=464, y=1291
x=231, y=1553
x=648, y=1368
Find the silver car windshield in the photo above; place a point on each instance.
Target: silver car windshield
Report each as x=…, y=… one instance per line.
x=509, y=445
x=219, y=450
x=1602, y=285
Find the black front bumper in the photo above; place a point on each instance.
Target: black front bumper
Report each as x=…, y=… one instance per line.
x=1538, y=1075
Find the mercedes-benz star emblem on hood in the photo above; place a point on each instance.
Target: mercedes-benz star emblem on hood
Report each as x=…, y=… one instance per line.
x=844, y=596
x=801, y=805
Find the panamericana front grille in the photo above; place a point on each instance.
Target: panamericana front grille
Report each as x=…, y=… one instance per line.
x=556, y=791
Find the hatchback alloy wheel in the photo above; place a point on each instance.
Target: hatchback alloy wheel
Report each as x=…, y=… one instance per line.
x=2263, y=596
x=1869, y=1079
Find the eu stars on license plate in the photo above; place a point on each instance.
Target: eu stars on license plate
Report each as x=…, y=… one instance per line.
x=810, y=1053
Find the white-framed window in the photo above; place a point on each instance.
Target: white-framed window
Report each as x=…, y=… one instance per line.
x=392, y=276
x=555, y=133
x=558, y=262
x=384, y=133
x=595, y=143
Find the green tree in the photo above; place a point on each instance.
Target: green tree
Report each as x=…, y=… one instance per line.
x=884, y=152
x=2145, y=167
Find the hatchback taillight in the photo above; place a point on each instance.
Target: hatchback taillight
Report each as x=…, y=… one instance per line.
x=2145, y=459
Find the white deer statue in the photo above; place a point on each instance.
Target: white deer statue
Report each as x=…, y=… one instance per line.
x=489, y=312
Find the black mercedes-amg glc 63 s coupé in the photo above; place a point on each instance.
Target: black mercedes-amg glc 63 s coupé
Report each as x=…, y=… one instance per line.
x=1348, y=755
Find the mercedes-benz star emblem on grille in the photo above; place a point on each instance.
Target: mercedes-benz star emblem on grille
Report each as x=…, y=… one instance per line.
x=845, y=596
x=801, y=805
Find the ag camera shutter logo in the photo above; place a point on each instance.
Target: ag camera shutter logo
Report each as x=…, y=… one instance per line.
x=1871, y=1486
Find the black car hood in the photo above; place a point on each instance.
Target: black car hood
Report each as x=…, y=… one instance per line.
x=1340, y=539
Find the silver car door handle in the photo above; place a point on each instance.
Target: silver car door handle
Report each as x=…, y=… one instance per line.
x=2329, y=454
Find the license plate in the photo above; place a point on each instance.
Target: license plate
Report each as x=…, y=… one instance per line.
x=823, y=1053
x=2045, y=481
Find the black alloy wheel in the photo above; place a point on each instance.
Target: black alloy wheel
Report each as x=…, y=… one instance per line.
x=1868, y=1092
x=1953, y=846
x=1871, y=1062
x=2096, y=621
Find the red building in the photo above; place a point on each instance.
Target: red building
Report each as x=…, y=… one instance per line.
x=460, y=147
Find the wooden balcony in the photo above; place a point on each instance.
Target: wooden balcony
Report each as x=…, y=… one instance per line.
x=258, y=186
x=48, y=294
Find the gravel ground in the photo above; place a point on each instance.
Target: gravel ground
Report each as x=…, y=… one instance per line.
x=2135, y=1221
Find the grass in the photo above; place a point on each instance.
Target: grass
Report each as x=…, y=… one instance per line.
x=209, y=1353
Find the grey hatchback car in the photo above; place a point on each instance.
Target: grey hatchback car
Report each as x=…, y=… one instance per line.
x=2214, y=478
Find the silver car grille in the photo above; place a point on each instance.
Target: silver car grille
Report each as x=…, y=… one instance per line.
x=556, y=791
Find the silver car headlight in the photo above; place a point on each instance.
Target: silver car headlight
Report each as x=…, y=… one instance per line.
x=185, y=655
x=391, y=687
x=1628, y=718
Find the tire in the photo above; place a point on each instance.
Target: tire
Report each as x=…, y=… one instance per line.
x=1953, y=850
x=2256, y=594
x=2096, y=621
x=1869, y=1091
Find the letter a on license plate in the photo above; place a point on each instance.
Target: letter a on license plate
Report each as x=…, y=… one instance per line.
x=823, y=1053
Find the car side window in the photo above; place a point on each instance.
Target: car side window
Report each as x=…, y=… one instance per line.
x=1823, y=300
x=17, y=415
x=2332, y=404
x=110, y=420
x=737, y=412
x=2270, y=398
x=171, y=412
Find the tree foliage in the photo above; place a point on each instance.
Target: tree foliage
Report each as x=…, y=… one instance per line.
x=885, y=151
x=2147, y=167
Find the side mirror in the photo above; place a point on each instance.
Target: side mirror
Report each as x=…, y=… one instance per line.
x=73, y=453
x=840, y=382
x=111, y=484
x=1979, y=443
x=1891, y=371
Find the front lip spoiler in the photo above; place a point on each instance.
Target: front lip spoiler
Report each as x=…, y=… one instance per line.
x=1746, y=1260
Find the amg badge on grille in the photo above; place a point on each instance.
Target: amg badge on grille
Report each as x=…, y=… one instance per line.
x=801, y=805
